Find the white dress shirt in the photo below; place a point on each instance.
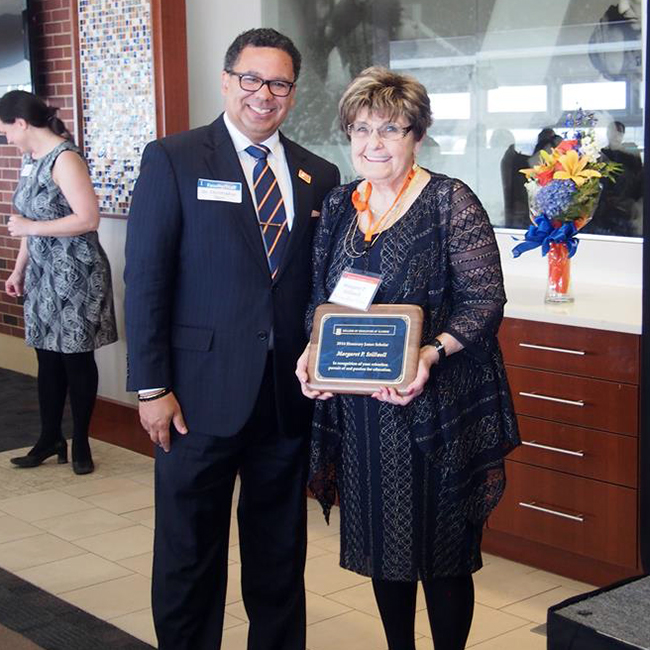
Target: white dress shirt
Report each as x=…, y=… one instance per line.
x=277, y=162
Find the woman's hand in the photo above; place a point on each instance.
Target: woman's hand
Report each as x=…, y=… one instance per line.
x=303, y=378
x=20, y=226
x=15, y=284
x=428, y=356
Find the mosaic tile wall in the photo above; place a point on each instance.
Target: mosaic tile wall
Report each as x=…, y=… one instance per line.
x=117, y=93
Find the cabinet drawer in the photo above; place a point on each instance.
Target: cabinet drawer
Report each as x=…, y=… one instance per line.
x=579, y=401
x=593, y=519
x=573, y=350
x=585, y=452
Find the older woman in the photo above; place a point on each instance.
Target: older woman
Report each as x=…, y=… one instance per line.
x=62, y=271
x=417, y=474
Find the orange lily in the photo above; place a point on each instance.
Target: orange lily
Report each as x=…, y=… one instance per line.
x=573, y=168
x=544, y=172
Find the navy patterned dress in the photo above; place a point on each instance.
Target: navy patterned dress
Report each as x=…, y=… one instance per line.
x=416, y=483
x=68, y=295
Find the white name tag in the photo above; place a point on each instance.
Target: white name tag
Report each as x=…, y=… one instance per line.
x=27, y=169
x=209, y=190
x=355, y=289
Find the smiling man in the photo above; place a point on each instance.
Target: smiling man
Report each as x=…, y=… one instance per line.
x=217, y=282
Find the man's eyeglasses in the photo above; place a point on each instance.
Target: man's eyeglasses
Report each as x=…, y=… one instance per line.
x=390, y=131
x=250, y=83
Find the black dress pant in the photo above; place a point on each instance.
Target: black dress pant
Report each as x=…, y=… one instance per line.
x=194, y=489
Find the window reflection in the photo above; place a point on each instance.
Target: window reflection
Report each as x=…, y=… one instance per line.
x=454, y=106
x=599, y=96
x=517, y=99
x=497, y=89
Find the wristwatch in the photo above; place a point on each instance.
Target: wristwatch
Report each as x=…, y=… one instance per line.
x=440, y=348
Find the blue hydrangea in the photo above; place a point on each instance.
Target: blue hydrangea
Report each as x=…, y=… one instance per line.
x=555, y=197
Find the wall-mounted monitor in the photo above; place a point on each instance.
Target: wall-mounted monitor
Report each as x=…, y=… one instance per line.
x=16, y=61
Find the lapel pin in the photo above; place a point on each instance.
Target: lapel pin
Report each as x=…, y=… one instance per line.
x=303, y=175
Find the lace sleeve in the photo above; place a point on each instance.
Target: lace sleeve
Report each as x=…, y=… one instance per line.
x=477, y=292
x=321, y=253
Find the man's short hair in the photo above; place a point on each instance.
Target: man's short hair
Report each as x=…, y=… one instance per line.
x=262, y=37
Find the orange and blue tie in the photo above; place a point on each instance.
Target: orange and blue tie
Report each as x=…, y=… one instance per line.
x=270, y=207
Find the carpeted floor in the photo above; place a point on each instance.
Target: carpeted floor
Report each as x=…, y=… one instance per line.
x=53, y=624
x=12, y=640
x=19, y=412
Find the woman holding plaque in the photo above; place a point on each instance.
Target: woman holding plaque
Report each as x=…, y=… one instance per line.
x=416, y=473
x=61, y=270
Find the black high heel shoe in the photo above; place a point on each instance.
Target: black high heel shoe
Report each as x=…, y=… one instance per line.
x=36, y=456
x=82, y=460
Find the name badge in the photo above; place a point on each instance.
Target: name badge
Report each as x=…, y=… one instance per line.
x=27, y=169
x=209, y=190
x=355, y=289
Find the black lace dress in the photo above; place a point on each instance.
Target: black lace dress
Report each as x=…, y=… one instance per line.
x=416, y=483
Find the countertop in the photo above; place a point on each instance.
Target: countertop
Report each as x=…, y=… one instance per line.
x=603, y=307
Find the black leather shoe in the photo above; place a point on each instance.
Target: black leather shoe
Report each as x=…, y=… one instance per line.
x=36, y=456
x=83, y=466
x=82, y=458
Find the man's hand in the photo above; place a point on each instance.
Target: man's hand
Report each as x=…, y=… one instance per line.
x=156, y=415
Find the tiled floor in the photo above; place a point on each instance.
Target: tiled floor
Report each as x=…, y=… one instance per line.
x=88, y=540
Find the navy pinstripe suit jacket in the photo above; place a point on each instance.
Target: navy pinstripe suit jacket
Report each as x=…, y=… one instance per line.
x=200, y=303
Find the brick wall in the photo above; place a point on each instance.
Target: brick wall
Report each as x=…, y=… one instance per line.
x=54, y=37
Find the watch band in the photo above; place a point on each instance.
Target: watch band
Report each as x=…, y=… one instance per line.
x=440, y=348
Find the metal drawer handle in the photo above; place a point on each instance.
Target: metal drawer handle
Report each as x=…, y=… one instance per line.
x=571, y=402
x=548, y=511
x=549, y=349
x=558, y=450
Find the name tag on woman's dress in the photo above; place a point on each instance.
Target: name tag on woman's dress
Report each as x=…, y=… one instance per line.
x=356, y=290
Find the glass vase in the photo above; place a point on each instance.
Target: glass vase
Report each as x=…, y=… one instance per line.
x=558, y=287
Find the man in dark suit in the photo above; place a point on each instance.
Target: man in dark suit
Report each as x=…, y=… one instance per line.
x=218, y=276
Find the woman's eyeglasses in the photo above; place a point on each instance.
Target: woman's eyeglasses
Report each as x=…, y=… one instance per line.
x=250, y=83
x=390, y=131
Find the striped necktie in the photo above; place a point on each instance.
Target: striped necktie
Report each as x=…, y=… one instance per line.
x=270, y=207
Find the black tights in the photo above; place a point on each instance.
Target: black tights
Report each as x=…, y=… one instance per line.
x=58, y=375
x=450, y=606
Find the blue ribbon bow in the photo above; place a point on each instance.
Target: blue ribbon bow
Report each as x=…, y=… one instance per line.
x=543, y=234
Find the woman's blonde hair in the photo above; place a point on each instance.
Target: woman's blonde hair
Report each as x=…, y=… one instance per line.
x=390, y=94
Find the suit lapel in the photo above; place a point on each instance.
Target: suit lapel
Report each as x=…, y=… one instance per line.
x=302, y=202
x=223, y=163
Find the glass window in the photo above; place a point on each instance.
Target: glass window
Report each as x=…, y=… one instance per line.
x=498, y=72
x=517, y=99
x=598, y=96
x=451, y=106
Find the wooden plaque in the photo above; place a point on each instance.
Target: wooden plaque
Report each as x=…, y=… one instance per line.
x=357, y=352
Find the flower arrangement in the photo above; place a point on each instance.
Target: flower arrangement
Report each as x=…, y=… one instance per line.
x=563, y=193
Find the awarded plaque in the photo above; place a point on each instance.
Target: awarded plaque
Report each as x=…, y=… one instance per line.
x=357, y=352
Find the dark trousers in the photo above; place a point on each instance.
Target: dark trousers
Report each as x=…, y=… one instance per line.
x=194, y=489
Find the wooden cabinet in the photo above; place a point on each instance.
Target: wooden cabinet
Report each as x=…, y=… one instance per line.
x=571, y=502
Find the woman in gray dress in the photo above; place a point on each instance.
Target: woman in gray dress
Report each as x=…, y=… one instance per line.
x=416, y=474
x=61, y=270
